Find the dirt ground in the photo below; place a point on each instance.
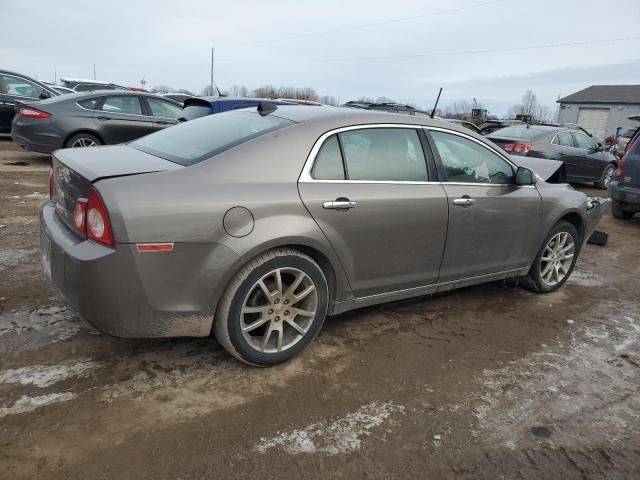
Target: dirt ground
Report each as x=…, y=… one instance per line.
x=486, y=382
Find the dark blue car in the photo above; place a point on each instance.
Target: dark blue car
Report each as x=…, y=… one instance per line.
x=197, y=107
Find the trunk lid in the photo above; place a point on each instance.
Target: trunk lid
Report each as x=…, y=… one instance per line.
x=75, y=170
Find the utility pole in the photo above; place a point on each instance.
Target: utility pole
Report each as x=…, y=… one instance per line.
x=55, y=76
x=94, y=71
x=211, y=84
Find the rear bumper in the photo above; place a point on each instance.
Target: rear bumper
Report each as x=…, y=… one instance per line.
x=37, y=143
x=125, y=293
x=627, y=197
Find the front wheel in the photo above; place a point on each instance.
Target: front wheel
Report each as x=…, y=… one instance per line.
x=555, y=260
x=606, y=178
x=273, y=308
x=619, y=212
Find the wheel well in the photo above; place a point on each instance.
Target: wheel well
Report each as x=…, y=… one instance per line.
x=576, y=220
x=90, y=132
x=323, y=262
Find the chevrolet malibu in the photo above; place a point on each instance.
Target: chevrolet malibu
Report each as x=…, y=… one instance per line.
x=256, y=224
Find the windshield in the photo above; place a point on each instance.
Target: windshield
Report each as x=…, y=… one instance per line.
x=192, y=142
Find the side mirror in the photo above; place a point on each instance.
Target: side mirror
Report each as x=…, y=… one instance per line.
x=600, y=148
x=524, y=176
x=44, y=95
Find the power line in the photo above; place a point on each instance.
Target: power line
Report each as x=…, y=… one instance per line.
x=366, y=25
x=433, y=54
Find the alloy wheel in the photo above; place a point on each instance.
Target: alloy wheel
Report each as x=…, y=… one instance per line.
x=608, y=176
x=83, y=142
x=557, y=258
x=279, y=310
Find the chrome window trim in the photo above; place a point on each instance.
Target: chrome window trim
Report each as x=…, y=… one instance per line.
x=115, y=113
x=305, y=175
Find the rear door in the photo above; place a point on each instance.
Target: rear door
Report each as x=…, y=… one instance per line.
x=120, y=118
x=163, y=113
x=368, y=189
x=494, y=225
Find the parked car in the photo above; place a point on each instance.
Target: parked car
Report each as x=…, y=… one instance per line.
x=624, y=189
x=491, y=126
x=584, y=159
x=471, y=126
x=84, y=85
x=16, y=88
x=196, y=107
x=624, y=140
x=257, y=223
x=89, y=119
x=388, y=107
x=62, y=90
x=177, y=97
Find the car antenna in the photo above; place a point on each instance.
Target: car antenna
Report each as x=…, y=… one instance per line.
x=265, y=108
x=433, y=112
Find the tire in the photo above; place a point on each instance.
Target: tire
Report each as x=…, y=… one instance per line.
x=82, y=140
x=607, y=175
x=538, y=278
x=618, y=212
x=274, y=314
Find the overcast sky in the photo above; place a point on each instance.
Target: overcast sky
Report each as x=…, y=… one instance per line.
x=403, y=49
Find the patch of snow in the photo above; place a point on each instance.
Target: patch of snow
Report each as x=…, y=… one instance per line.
x=586, y=279
x=45, y=375
x=57, y=323
x=28, y=404
x=338, y=436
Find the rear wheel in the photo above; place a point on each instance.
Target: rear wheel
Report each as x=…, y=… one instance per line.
x=555, y=260
x=83, y=140
x=273, y=308
x=606, y=178
x=619, y=212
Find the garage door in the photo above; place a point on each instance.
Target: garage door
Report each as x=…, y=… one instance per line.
x=594, y=121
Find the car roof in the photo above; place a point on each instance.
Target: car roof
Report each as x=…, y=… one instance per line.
x=102, y=93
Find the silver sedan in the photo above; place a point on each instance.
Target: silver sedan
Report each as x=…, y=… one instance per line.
x=256, y=224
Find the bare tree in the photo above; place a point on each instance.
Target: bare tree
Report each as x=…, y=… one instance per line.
x=208, y=92
x=238, y=91
x=457, y=109
x=161, y=89
x=530, y=106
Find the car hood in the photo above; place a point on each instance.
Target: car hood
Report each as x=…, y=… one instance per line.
x=542, y=167
x=95, y=163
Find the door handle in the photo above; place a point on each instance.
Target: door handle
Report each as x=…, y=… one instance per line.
x=164, y=123
x=102, y=117
x=465, y=201
x=339, y=204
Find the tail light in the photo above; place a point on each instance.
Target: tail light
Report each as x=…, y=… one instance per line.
x=618, y=172
x=90, y=217
x=51, y=182
x=98, y=225
x=30, y=112
x=517, y=147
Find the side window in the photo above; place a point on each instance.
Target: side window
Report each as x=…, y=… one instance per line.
x=161, y=108
x=125, y=104
x=466, y=161
x=21, y=87
x=89, y=104
x=582, y=141
x=384, y=154
x=563, y=139
x=328, y=163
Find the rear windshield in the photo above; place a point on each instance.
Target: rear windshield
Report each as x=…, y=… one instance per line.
x=192, y=142
x=192, y=112
x=518, y=132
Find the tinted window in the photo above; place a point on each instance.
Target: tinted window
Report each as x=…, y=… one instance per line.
x=129, y=105
x=563, y=139
x=328, y=164
x=518, y=132
x=466, y=161
x=384, y=154
x=160, y=108
x=192, y=142
x=192, y=112
x=89, y=104
x=582, y=141
x=21, y=87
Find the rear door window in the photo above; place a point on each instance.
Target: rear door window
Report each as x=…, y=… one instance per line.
x=564, y=139
x=89, y=104
x=384, y=154
x=129, y=105
x=164, y=109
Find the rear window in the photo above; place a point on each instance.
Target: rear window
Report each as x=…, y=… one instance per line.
x=192, y=142
x=191, y=112
x=517, y=132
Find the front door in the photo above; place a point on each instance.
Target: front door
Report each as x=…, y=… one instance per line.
x=16, y=90
x=368, y=191
x=494, y=225
x=590, y=160
x=120, y=119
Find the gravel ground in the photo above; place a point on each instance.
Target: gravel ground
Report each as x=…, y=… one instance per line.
x=485, y=382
